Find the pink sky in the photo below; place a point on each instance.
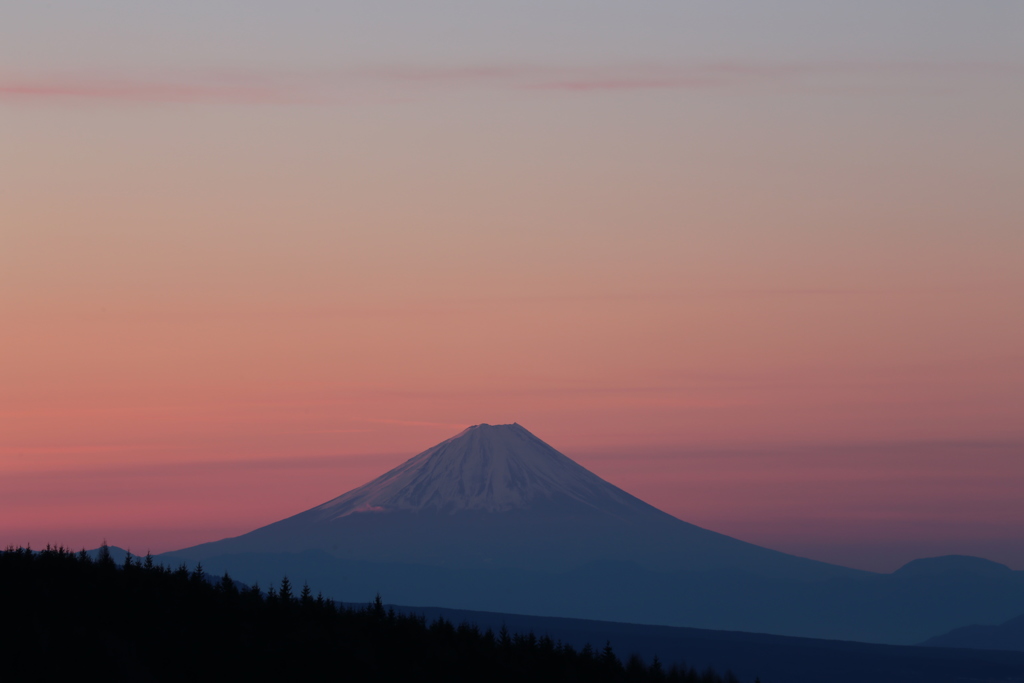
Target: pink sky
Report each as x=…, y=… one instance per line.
x=770, y=283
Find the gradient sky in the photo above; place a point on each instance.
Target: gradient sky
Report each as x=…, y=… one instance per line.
x=760, y=266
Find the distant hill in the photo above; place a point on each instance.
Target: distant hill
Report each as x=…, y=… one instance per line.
x=953, y=566
x=1006, y=636
x=773, y=659
x=116, y=554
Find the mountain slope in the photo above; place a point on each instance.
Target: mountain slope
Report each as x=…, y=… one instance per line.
x=497, y=496
x=484, y=468
x=1006, y=636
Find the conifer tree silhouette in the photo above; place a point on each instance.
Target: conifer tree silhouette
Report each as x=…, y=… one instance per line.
x=104, y=554
x=608, y=658
x=656, y=672
x=504, y=637
x=635, y=667
x=286, y=591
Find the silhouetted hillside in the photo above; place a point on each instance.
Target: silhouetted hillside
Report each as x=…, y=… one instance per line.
x=66, y=614
x=1006, y=636
x=773, y=658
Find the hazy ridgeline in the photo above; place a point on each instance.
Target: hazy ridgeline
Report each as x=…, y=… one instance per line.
x=138, y=620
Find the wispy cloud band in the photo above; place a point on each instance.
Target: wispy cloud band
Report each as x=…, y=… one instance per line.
x=388, y=83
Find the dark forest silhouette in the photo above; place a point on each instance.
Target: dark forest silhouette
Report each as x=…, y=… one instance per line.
x=139, y=620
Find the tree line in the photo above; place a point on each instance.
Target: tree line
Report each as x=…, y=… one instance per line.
x=139, y=620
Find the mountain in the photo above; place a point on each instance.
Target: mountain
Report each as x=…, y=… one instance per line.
x=756, y=656
x=497, y=496
x=955, y=566
x=1006, y=636
x=496, y=520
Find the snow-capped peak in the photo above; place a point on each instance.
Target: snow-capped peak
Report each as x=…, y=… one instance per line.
x=485, y=468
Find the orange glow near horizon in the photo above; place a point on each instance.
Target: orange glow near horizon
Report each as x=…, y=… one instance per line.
x=220, y=297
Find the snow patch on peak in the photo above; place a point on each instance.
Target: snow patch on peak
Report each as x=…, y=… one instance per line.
x=490, y=468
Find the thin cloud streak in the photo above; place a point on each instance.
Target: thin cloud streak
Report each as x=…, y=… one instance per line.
x=383, y=84
x=205, y=467
x=376, y=84
x=139, y=91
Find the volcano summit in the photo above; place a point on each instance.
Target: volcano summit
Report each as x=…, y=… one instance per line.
x=485, y=468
